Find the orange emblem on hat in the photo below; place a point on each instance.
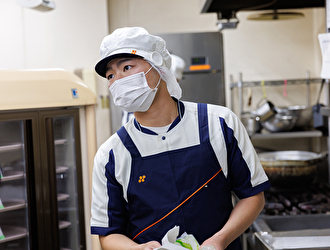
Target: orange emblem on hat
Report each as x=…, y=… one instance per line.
x=133, y=52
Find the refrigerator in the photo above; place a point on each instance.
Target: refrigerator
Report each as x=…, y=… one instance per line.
x=203, y=75
x=45, y=160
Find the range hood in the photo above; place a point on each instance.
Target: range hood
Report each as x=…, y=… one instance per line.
x=227, y=9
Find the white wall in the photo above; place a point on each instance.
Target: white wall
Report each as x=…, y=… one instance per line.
x=161, y=16
x=276, y=50
x=260, y=50
x=67, y=37
x=265, y=50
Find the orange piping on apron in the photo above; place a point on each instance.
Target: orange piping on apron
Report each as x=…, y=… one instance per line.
x=177, y=205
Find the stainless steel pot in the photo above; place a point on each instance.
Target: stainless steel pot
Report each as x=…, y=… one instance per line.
x=280, y=123
x=266, y=110
x=291, y=169
x=288, y=118
x=304, y=115
x=251, y=122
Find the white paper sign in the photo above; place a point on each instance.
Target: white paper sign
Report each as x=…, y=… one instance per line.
x=324, y=40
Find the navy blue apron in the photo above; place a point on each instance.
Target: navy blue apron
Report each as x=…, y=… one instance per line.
x=183, y=187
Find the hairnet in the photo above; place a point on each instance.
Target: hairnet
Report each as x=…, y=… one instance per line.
x=177, y=66
x=132, y=41
x=172, y=84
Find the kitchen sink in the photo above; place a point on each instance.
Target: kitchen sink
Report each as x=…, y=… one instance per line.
x=296, y=222
x=292, y=232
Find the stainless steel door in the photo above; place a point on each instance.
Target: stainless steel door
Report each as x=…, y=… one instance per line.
x=203, y=75
x=203, y=87
x=14, y=203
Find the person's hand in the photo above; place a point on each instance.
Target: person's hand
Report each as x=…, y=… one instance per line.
x=148, y=246
x=151, y=245
x=207, y=248
x=212, y=243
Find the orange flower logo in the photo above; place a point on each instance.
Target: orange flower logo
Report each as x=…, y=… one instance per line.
x=142, y=178
x=133, y=52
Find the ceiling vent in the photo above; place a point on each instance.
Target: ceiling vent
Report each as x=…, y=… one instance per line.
x=41, y=5
x=275, y=15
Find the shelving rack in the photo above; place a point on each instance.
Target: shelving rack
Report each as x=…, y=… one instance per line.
x=240, y=84
x=310, y=134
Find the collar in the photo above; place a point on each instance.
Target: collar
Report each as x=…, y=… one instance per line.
x=181, y=110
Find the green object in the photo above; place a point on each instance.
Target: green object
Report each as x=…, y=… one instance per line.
x=185, y=245
x=1, y=235
x=187, y=241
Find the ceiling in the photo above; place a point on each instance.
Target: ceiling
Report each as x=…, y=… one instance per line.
x=227, y=7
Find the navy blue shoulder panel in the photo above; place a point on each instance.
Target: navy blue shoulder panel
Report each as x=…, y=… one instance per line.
x=127, y=141
x=203, y=122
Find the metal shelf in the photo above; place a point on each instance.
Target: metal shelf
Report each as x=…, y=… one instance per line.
x=62, y=197
x=265, y=135
x=240, y=84
x=325, y=111
x=274, y=82
x=11, y=147
x=61, y=169
x=12, y=205
x=12, y=175
x=287, y=135
x=64, y=224
x=13, y=233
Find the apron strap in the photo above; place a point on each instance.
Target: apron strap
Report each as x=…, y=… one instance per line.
x=128, y=142
x=203, y=123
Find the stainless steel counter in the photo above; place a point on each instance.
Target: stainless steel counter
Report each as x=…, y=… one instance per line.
x=301, y=239
x=291, y=232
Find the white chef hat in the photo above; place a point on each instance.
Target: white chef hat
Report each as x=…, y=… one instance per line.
x=177, y=66
x=137, y=42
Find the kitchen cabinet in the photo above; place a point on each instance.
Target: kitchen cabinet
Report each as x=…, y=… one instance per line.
x=42, y=185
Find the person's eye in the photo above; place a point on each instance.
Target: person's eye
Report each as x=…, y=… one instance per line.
x=110, y=76
x=127, y=67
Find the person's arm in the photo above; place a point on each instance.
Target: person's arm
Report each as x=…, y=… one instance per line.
x=242, y=216
x=121, y=242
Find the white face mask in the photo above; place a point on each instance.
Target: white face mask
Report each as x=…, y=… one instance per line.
x=132, y=93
